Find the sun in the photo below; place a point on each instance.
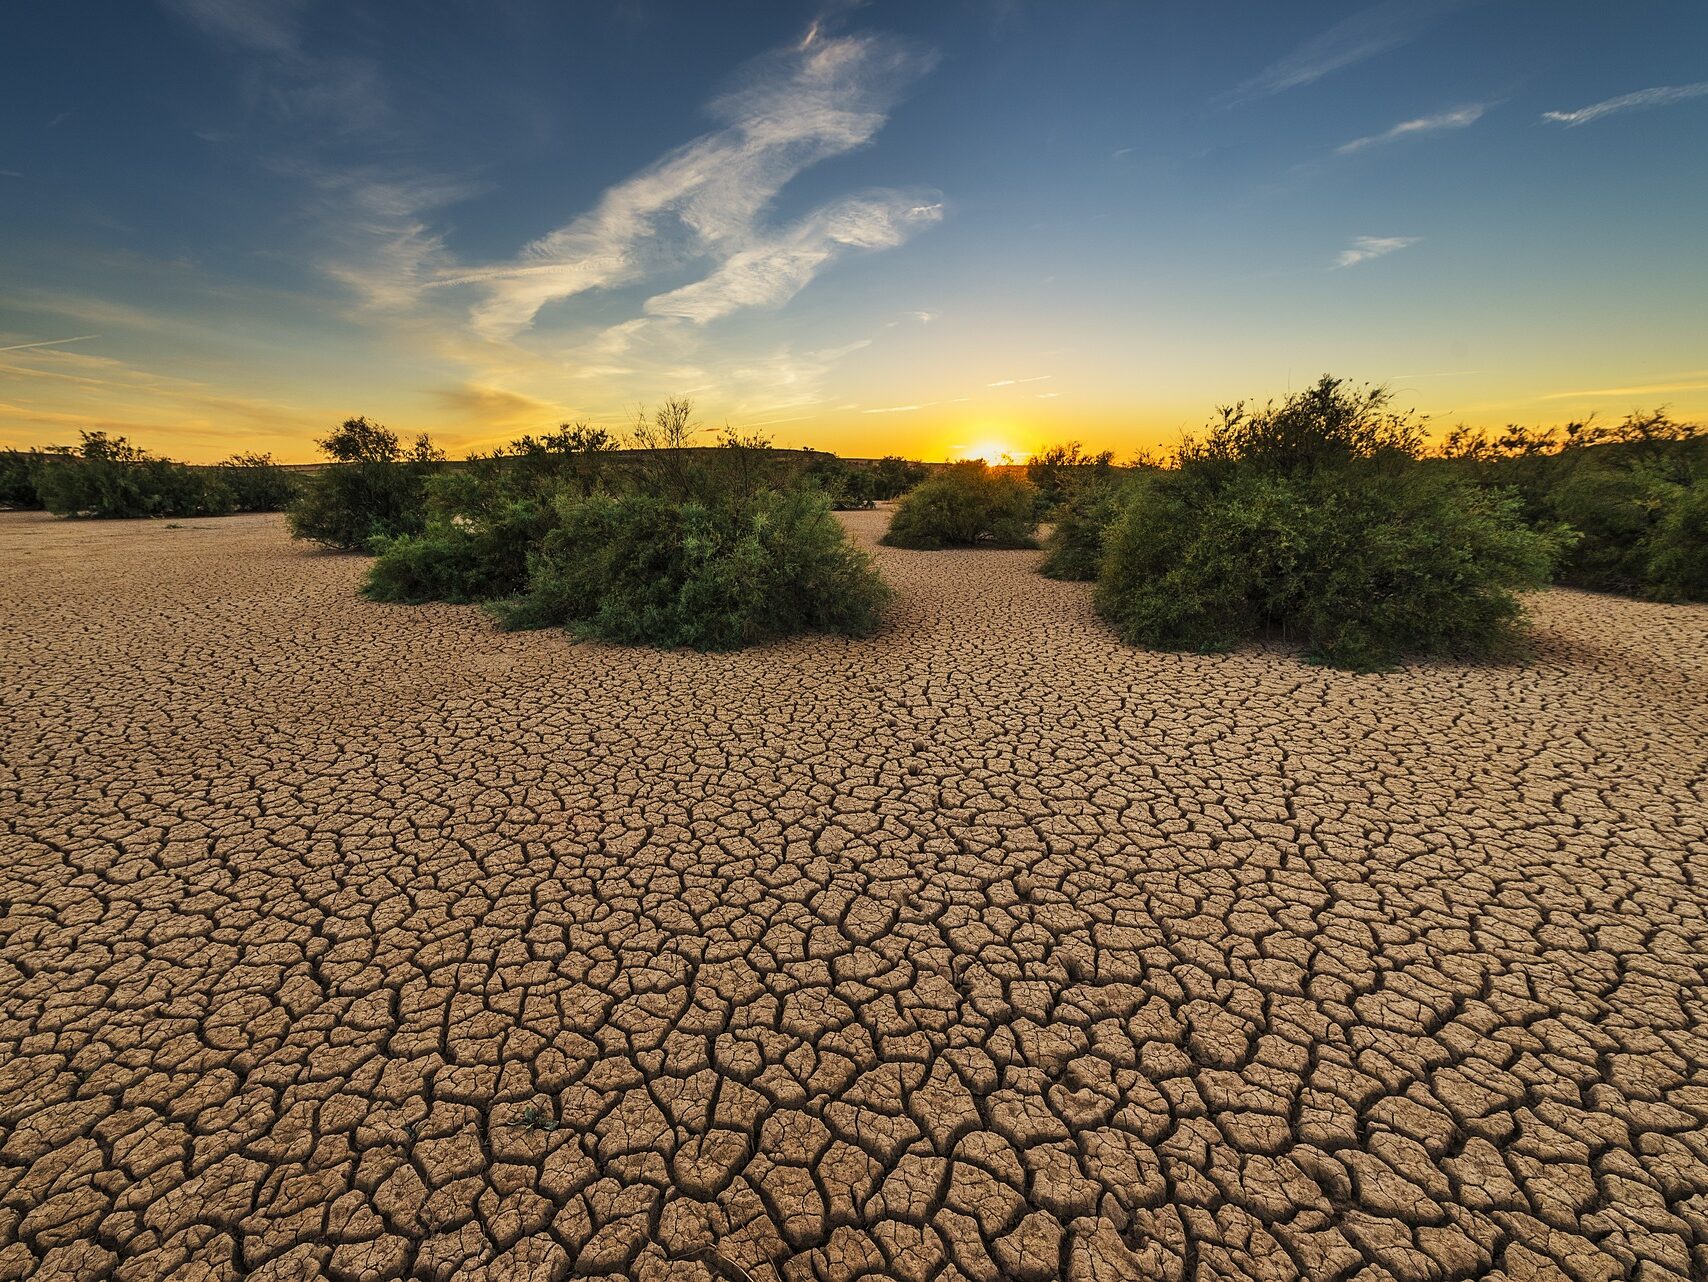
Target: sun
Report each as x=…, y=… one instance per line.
x=991, y=451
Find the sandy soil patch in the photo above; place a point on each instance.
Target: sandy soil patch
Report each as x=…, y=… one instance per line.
x=366, y=941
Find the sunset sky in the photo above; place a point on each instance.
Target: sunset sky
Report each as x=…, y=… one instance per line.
x=893, y=227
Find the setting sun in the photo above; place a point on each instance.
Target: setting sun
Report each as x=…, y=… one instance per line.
x=992, y=451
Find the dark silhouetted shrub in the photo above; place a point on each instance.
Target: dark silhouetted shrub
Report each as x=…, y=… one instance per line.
x=893, y=476
x=375, y=489
x=967, y=505
x=18, y=490
x=108, y=477
x=1313, y=519
x=1061, y=470
x=257, y=483
x=649, y=570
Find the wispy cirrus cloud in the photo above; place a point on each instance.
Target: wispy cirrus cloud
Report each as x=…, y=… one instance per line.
x=1458, y=118
x=1659, y=96
x=777, y=267
x=1647, y=389
x=1369, y=32
x=1364, y=248
x=48, y=342
x=705, y=200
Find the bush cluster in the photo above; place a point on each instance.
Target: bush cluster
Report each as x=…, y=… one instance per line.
x=374, y=490
x=710, y=548
x=18, y=491
x=108, y=477
x=967, y=505
x=1630, y=493
x=1314, y=520
x=643, y=570
x=256, y=483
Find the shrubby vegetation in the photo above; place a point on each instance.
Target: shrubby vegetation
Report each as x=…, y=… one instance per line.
x=712, y=548
x=845, y=486
x=18, y=469
x=378, y=491
x=257, y=484
x=1062, y=471
x=967, y=505
x=1313, y=519
x=108, y=477
x=483, y=519
x=893, y=476
x=640, y=569
x=1627, y=491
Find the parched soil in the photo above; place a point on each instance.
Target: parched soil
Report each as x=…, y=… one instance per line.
x=366, y=941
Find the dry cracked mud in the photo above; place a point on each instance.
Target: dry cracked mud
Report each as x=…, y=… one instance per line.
x=365, y=941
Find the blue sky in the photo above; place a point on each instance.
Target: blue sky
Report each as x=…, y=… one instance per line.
x=928, y=228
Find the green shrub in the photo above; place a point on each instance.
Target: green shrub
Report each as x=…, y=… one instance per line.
x=893, y=476
x=1615, y=512
x=967, y=505
x=1614, y=485
x=848, y=488
x=373, y=490
x=108, y=477
x=257, y=483
x=1062, y=470
x=1362, y=565
x=649, y=570
x=18, y=490
x=1677, y=568
x=1090, y=504
x=1314, y=519
x=461, y=558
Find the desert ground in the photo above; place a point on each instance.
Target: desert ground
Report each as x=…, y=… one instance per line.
x=367, y=941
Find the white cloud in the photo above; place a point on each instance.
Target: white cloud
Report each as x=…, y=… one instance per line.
x=1010, y=382
x=900, y=409
x=1365, y=34
x=1660, y=96
x=704, y=200
x=48, y=342
x=776, y=268
x=1460, y=118
x=1364, y=248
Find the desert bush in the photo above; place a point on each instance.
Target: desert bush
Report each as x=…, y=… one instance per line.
x=257, y=483
x=1074, y=548
x=967, y=505
x=1062, y=469
x=1614, y=485
x=893, y=476
x=847, y=488
x=108, y=477
x=18, y=490
x=653, y=570
x=1313, y=519
x=1360, y=565
x=475, y=545
x=375, y=489
x=1677, y=568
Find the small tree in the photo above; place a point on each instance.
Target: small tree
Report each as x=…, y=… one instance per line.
x=374, y=489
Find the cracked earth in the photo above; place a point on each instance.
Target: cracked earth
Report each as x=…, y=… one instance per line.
x=359, y=941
